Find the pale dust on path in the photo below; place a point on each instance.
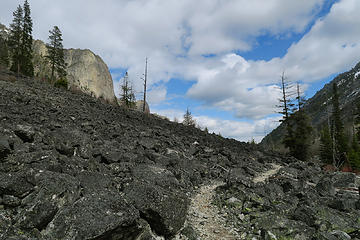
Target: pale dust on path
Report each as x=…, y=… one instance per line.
x=205, y=217
x=264, y=176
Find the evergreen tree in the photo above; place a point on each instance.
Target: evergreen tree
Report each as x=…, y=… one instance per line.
x=4, y=53
x=127, y=96
x=326, y=145
x=302, y=136
x=354, y=153
x=286, y=107
x=188, y=119
x=20, y=41
x=56, y=53
x=15, y=40
x=26, y=65
x=298, y=130
x=206, y=130
x=340, y=142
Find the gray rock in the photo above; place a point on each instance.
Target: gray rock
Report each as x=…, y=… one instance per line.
x=326, y=186
x=11, y=201
x=102, y=215
x=305, y=214
x=25, y=133
x=343, y=179
x=15, y=184
x=164, y=210
x=343, y=203
x=4, y=147
x=340, y=235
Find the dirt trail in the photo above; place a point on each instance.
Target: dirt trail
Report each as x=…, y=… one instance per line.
x=264, y=176
x=205, y=217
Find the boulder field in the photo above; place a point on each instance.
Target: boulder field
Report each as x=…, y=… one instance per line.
x=74, y=167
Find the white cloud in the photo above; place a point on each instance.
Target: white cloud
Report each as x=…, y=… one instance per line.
x=156, y=95
x=175, y=35
x=332, y=45
x=125, y=32
x=239, y=130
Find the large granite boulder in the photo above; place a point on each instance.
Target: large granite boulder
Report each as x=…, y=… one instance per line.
x=86, y=71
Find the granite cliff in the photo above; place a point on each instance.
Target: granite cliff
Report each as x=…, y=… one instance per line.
x=85, y=71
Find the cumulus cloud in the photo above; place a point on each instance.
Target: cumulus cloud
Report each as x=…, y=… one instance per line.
x=177, y=36
x=247, y=87
x=156, y=95
x=239, y=130
x=125, y=32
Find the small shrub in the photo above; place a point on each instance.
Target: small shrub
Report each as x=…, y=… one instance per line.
x=61, y=83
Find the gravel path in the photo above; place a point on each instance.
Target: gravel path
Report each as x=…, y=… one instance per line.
x=264, y=176
x=205, y=217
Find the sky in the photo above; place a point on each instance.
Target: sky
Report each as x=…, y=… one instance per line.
x=222, y=59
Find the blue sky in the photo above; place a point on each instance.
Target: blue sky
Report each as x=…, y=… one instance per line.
x=222, y=59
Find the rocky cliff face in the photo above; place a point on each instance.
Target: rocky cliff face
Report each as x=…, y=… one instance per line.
x=73, y=167
x=4, y=32
x=86, y=71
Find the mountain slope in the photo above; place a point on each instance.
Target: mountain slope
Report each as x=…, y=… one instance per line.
x=73, y=167
x=319, y=107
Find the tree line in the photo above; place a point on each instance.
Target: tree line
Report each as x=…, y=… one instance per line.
x=336, y=148
x=16, y=49
x=297, y=123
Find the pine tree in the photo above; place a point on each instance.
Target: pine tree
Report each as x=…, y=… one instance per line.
x=26, y=65
x=15, y=39
x=341, y=146
x=206, y=130
x=354, y=153
x=127, y=96
x=299, y=130
x=4, y=53
x=56, y=53
x=326, y=145
x=188, y=119
x=286, y=105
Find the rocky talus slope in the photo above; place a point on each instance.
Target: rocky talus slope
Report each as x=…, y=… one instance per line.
x=73, y=167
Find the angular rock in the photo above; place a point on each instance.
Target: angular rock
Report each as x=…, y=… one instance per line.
x=4, y=147
x=343, y=179
x=103, y=215
x=25, y=133
x=325, y=186
x=164, y=210
x=343, y=204
x=15, y=184
x=11, y=201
